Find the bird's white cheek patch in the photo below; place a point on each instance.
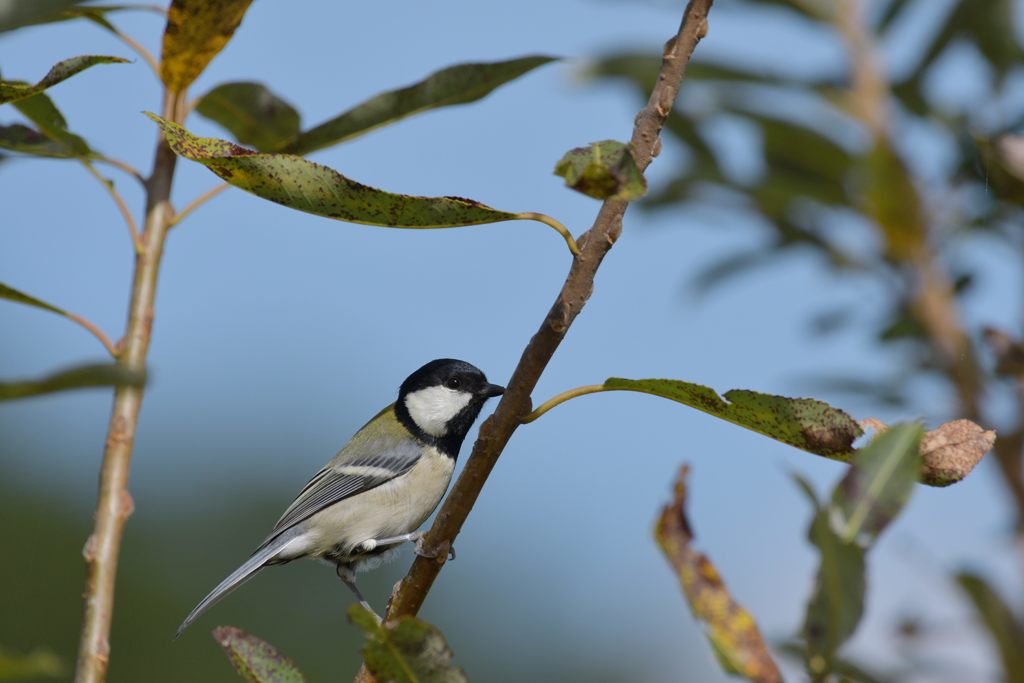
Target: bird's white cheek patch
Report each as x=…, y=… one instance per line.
x=433, y=407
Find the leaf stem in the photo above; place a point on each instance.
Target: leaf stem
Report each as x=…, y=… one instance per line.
x=120, y=165
x=96, y=332
x=138, y=47
x=119, y=200
x=562, y=398
x=559, y=228
x=196, y=203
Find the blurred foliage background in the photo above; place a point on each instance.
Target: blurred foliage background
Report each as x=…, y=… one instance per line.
x=841, y=188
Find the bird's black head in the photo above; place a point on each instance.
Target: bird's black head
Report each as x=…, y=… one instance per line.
x=439, y=402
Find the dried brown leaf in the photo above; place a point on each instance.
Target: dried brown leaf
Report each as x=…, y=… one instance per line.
x=950, y=452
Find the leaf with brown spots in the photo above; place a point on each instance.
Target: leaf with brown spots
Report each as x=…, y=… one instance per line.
x=603, y=170
x=458, y=84
x=11, y=91
x=314, y=188
x=805, y=423
x=254, y=659
x=196, y=31
x=407, y=650
x=730, y=628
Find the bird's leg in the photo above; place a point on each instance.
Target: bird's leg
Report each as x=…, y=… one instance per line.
x=348, y=577
x=370, y=544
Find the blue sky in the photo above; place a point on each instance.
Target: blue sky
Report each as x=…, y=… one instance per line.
x=279, y=333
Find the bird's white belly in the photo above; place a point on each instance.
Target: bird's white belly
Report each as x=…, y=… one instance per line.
x=391, y=509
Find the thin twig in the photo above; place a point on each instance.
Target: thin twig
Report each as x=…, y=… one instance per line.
x=515, y=404
x=114, y=503
x=119, y=200
x=197, y=202
x=559, y=228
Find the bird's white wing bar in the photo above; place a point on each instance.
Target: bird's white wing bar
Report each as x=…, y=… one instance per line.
x=341, y=480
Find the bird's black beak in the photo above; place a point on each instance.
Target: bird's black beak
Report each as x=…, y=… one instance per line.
x=492, y=390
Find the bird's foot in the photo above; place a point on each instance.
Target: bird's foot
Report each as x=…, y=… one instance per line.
x=432, y=555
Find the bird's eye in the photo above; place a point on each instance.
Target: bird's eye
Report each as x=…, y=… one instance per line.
x=453, y=383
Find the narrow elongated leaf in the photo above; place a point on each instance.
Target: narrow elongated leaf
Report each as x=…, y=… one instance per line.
x=254, y=659
x=40, y=110
x=36, y=664
x=20, y=138
x=457, y=84
x=300, y=184
x=878, y=484
x=806, y=423
x=1003, y=627
x=603, y=170
x=12, y=294
x=837, y=603
x=865, y=501
x=731, y=629
x=405, y=651
x=81, y=377
x=196, y=31
x=16, y=90
x=17, y=13
x=253, y=114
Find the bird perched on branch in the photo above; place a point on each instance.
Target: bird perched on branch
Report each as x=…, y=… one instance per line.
x=381, y=486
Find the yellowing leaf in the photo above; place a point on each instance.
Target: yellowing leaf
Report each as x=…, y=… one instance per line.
x=730, y=628
x=196, y=31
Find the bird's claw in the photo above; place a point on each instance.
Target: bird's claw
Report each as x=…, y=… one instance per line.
x=433, y=554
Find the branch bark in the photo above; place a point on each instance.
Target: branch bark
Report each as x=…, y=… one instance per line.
x=516, y=403
x=114, y=503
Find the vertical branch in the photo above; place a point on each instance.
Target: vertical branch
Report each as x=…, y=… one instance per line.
x=515, y=404
x=114, y=503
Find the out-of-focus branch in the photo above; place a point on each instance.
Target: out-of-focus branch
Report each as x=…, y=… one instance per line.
x=515, y=404
x=114, y=503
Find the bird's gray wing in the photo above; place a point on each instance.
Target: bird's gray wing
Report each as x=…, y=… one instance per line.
x=365, y=463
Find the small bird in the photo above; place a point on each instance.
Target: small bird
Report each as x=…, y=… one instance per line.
x=381, y=486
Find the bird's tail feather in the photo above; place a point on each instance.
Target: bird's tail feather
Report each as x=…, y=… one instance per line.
x=263, y=555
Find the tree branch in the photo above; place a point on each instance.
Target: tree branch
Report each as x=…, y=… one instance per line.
x=114, y=503
x=515, y=404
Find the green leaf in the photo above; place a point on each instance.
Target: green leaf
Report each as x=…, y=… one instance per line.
x=864, y=502
x=11, y=91
x=731, y=629
x=196, y=31
x=300, y=184
x=1003, y=627
x=837, y=603
x=251, y=113
x=805, y=423
x=603, y=170
x=254, y=659
x=892, y=200
x=40, y=110
x=457, y=84
x=12, y=294
x=406, y=650
x=17, y=13
x=19, y=138
x=878, y=484
x=36, y=664
x=80, y=377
